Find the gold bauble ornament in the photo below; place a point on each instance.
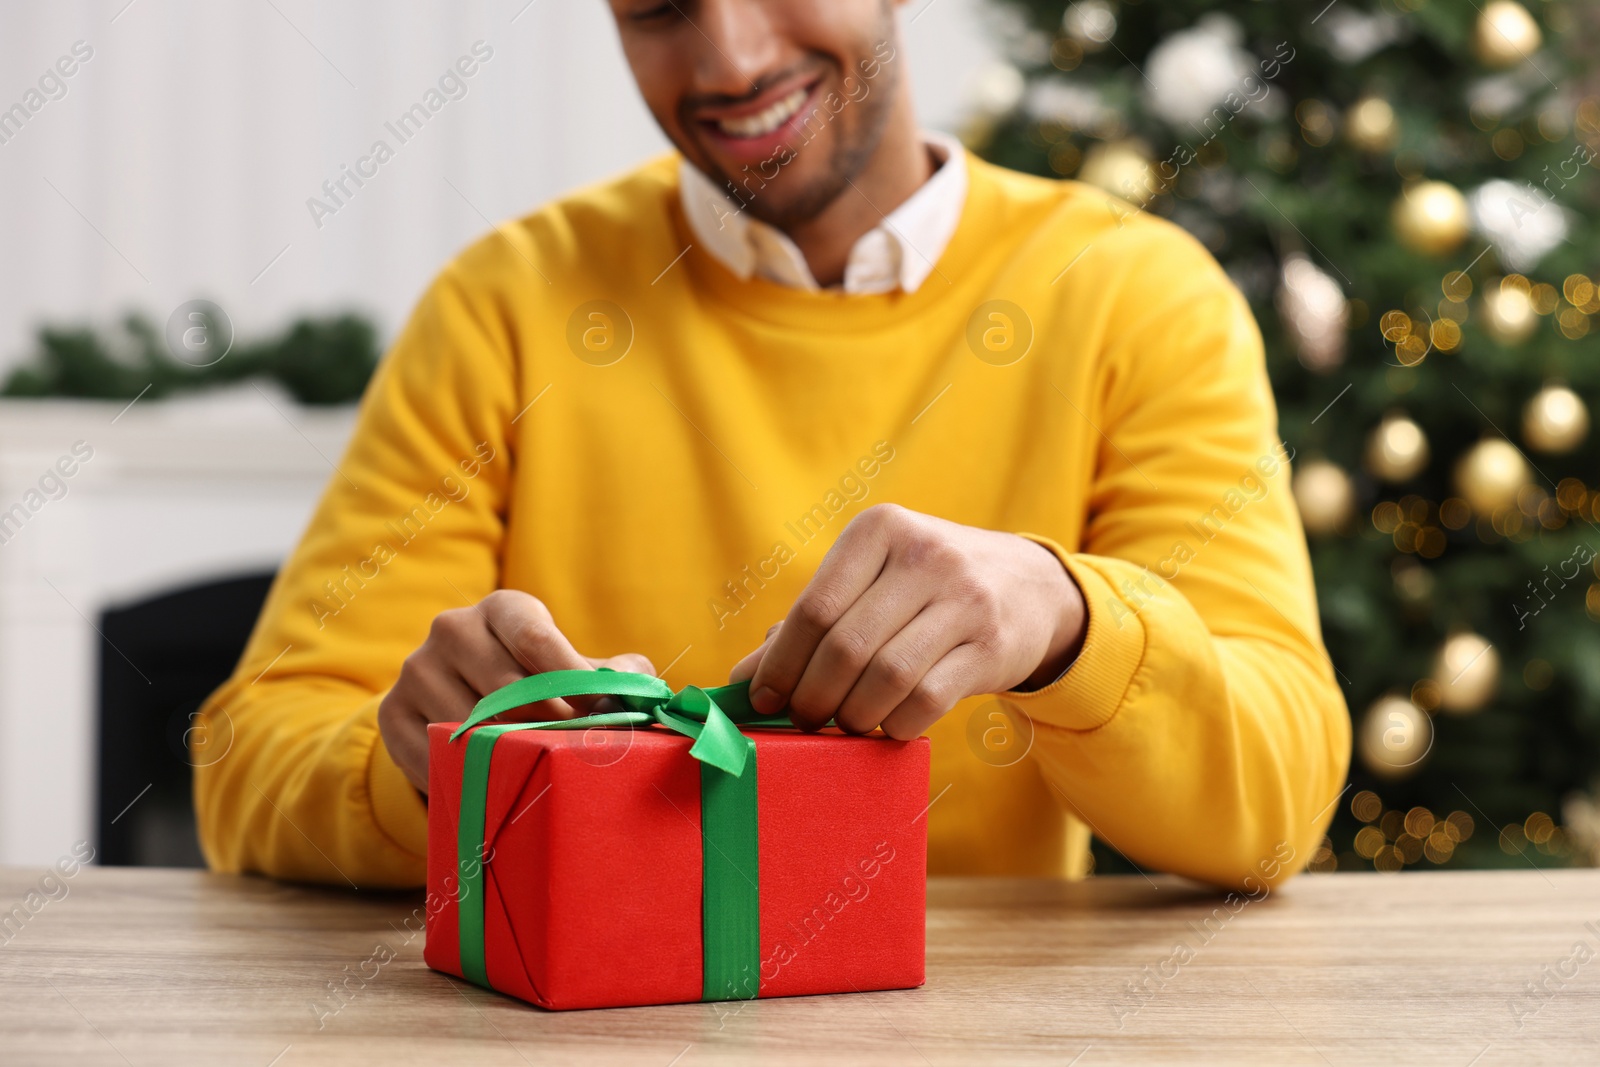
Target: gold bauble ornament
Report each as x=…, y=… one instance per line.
x=1431, y=218
x=1505, y=34
x=1467, y=671
x=1325, y=496
x=1490, y=474
x=1395, y=737
x=1556, y=420
x=1121, y=168
x=1413, y=583
x=1371, y=125
x=1580, y=818
x=1508, y=314
x=1397, y=450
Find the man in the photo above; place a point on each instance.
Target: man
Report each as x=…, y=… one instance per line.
x=999, y=454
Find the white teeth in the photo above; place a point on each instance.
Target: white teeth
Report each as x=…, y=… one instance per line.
x=764, y=122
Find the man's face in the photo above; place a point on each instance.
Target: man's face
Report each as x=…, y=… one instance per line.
x=781, y=102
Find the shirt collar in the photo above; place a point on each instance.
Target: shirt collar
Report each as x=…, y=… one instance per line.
x=898, y=253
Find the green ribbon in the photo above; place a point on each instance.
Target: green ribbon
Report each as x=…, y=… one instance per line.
x=730, y=902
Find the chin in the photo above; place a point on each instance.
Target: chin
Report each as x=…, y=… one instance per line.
x=785, y=204
x=786, y=195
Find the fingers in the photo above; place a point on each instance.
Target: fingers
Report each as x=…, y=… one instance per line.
x=524, y=626
x=945, y=683
x=471, y=652
x=425, y=692
x=846, y=650
x=628, y=661
x=475, y=654
x=407, y=744
x=848, y=570
x=474, y=646
x=898, y=667
x=746, y=668
x=439, y=695
x=525, y=629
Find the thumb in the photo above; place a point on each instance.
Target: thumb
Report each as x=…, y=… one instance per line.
x=631, y=662
x=628, y=661
x=745, y=669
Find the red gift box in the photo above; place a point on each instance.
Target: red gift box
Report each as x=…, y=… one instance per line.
x=592, y=864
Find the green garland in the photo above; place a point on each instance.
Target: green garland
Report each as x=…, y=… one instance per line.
x=318, y=360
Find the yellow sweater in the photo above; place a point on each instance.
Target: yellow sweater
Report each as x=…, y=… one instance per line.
x=675, y=500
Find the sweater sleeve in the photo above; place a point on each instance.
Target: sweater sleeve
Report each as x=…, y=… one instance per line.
x=1202, y=729
x=291, y=777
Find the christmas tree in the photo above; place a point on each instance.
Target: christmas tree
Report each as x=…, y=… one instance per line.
x=1407, y=194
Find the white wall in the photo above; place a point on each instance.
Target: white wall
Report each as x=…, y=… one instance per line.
x=180, y=159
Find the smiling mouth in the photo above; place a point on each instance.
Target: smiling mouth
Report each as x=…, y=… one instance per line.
x=765, y=121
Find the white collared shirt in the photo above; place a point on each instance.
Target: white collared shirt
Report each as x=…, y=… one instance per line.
x=898, y=253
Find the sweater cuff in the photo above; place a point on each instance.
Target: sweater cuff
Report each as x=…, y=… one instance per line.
x=397, y=807
x=1094, y=687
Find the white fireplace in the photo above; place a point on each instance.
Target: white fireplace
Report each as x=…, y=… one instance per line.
x=102, y=503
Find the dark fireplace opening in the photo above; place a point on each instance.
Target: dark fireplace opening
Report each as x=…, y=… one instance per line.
x=160, y=659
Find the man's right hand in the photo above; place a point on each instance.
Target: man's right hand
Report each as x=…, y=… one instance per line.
x=471, y=652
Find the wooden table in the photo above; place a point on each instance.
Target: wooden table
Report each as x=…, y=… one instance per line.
x=135, y=967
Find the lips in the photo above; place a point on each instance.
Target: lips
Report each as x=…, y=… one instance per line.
x=753, y=132
x=766, y=120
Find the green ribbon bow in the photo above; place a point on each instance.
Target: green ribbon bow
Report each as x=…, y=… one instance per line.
x=730, y=903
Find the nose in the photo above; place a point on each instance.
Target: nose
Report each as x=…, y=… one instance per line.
x=739, y=42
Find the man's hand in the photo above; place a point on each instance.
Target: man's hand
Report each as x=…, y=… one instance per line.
x=469, y=653
x=907, y=615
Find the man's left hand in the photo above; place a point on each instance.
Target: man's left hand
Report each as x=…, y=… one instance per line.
x=909, y=614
